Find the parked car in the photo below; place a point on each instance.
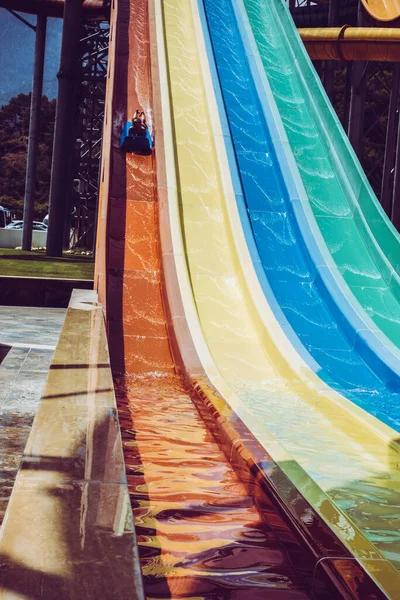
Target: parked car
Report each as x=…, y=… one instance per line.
x=14, y=225
x=36, y=225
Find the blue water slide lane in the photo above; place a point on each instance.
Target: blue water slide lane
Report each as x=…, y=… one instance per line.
x=282, y=238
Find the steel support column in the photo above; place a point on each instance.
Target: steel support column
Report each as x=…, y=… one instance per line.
x=64, y=131
x=330, y=65
x=390, y=144
x=347, y=95
x=34, y=128
x=395, y=215
x=357, y=106
x=357, y=98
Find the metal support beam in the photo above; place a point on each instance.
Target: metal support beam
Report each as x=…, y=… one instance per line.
x=34, y=125
x=24, y=21
x=378, y=44
x=329, y=74
x=357, y=98
x=388, y=164
x=64, y=132
x=347, y=94
x=92, y=9
x=357, y=105
x=395, y=216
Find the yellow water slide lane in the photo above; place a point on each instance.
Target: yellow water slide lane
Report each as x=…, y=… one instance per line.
x=309, y=429
x=382, y=10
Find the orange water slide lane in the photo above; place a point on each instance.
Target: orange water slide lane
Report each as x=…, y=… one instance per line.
x=199, y=532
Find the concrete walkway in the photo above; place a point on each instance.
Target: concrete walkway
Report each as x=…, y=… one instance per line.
x=68, y=530
x=28, y=337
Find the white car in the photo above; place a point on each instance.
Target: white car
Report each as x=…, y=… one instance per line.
x=36, y=225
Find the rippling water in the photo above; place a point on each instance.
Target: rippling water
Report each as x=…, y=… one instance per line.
x=199, y=533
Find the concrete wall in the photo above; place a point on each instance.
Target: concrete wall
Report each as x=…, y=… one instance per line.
x=37, y=291
x=11, y=238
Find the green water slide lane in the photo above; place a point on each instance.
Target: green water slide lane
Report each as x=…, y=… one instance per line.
x=362, y=241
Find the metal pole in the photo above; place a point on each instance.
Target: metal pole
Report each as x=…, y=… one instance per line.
x=357, y=106
x=64, y=132
x=357, y=97
x=388, y=163
x=24, y=21
x=396, y=184
x=318, y=67
x=333, y=14
x=34, y=126
x=347, y=94
x=329, y=74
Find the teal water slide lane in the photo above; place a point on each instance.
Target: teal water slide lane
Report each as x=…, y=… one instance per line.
x=266, y=192
x=364, y=244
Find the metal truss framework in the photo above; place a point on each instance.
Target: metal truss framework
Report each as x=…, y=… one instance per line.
x=91, y=99
x=299, y=3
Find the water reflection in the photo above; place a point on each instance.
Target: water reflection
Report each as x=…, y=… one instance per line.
x=199, y=532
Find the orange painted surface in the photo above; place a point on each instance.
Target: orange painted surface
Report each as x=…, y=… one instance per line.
x=139, y=340
x=382, y=10
x=199, y=532
x=352, y=43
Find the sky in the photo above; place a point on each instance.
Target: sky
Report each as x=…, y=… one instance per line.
x=17, y=43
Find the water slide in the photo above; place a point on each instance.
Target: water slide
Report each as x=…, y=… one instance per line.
x=382, y=10
x=338, y=212
x=296, y=277
x=201, y=321
x=347, y=209
x=199, y=530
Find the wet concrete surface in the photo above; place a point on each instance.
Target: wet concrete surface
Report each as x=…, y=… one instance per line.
x=28, y=337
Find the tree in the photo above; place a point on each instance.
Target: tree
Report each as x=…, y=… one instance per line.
x=14, y=130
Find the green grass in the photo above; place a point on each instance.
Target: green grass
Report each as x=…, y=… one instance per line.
x=37, y=264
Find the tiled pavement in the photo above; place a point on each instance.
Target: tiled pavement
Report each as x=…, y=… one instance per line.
x=28, y=337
